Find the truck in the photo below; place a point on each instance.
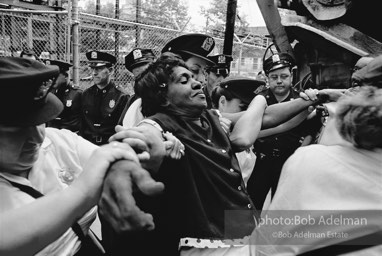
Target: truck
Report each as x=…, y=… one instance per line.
x=326, y=37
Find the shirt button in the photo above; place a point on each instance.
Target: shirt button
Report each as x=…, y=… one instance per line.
x=239, y=188
x=104, y=91
x=208, y=140
x=224, y=151
x=249, y=206
x=231, y=170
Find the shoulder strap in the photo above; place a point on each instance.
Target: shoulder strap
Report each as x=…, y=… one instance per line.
x=37, y=194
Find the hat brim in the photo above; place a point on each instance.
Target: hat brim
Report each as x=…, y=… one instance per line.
x=200, y=56
x=98, y=64
x=138, y=64
x=279, y=66
x=320, y=12
x=50, y=110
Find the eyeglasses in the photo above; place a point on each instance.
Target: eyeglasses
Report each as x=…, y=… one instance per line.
x=282, y=77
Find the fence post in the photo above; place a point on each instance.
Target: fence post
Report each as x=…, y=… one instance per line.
x=76, y=57
x=69, y=28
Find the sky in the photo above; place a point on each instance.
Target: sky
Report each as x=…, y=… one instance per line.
x=248, y=8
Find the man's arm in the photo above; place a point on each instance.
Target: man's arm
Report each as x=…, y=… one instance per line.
x=290, y=124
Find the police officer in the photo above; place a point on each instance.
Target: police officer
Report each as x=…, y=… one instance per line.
x=103, y=102
x=136, y=61
x=232, y=95
x=28, y=54
x=273, y=151
x=70, y=96
x=216, y=73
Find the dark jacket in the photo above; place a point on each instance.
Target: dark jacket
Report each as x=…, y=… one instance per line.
x=101, y=110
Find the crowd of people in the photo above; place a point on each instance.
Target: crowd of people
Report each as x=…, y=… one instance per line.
x=193, y=163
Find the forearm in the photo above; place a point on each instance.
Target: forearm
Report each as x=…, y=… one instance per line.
x=29, y=229
x=290, y=124
x=279, y=113
x=247, y=128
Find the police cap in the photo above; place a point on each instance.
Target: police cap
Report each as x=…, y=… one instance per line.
x=100, y=59
x=25, y=99
x=138, y=57
x=221, y=64
x=198, y=45
x=64, y=66
x=29, y=52
x=243, y=88
x=277, y=61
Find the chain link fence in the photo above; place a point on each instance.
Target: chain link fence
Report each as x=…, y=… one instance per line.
x=45, y=33
x=49, y=35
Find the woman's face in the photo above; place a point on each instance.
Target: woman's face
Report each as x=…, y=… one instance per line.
x=197, y=66
x=19, y=147
x=185, y=93
x=231, y=106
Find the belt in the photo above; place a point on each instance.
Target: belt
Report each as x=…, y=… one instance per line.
x=97, y=139
x=275, y=152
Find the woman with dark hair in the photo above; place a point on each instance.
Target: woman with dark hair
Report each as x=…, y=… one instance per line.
x=205, y=199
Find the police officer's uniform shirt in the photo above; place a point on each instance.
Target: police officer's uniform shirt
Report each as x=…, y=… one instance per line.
x=70, y=117
x=101, y=110
x=61, y=159
x=200, y=189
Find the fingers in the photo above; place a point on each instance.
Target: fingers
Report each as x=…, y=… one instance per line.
x=118, y=206
x=225, y=124
x=309, y=94
x=136, y=144
x=119, y=150
x=174, y=147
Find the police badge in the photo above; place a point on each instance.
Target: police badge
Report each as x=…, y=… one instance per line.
x=207, y=44
x=221, y=59
x=137, y=54
x=275, y=58
x=68, y=103
x=94, y=55
x=112, y=103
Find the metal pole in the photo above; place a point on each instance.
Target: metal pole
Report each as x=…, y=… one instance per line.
x=239, y=62
x=137, y=29
x=230, y=26
x=116, y=43
x=98, y=34
x=272, y=20
x=76, y=55
x=68, y=39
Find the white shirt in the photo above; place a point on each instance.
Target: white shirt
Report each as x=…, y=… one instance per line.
x=60, y=161
x=326, y=178
x=133, y=114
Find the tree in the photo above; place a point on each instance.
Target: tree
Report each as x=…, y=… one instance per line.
x=106, y=10
x=216, y=19
x=165, y=13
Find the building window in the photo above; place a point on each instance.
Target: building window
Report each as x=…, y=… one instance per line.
x=243, y=61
